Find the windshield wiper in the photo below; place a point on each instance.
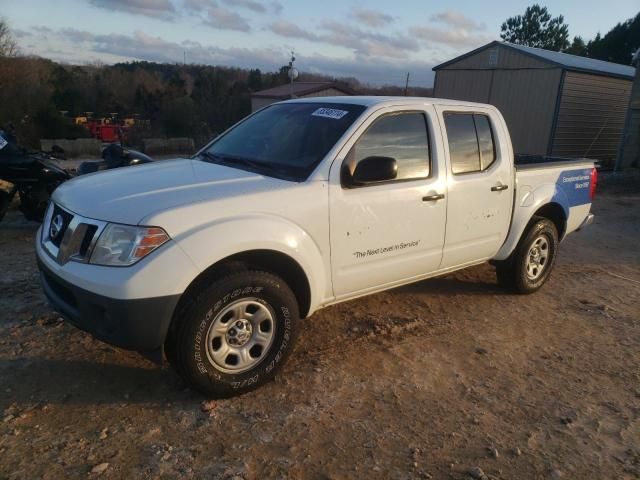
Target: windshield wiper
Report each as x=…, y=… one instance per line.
x=247, y=162
x=210, y=157
x=232, y=160
x=229, y=160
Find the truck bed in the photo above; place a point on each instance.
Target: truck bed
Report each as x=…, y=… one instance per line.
x=526, y=161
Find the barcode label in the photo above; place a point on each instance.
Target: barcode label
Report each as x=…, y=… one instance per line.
x=329, y=113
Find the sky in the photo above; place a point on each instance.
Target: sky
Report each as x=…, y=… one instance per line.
x=375, y=41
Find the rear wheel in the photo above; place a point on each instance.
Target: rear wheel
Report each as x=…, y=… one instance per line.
x=234, y=334
x=530, y=265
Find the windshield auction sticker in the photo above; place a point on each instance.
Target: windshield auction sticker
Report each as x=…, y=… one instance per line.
x=329, y=113
x=3, y=142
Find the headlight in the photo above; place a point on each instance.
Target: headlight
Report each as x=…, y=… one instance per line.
x=122, y=245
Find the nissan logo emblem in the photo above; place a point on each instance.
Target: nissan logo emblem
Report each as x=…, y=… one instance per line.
x=56, y=226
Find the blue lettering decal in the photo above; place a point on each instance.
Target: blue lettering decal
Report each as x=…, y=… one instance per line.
x=573, y=185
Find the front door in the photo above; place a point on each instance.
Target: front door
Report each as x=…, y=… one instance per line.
x=390, y=232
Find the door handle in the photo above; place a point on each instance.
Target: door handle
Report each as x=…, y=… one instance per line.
x=499, y=188
x=433, y=198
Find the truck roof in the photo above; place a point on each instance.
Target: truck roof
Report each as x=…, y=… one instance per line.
x=369, y=101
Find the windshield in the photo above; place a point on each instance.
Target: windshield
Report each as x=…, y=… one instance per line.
x=284, y=140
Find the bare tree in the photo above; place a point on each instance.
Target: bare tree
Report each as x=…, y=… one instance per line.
x=8, y=46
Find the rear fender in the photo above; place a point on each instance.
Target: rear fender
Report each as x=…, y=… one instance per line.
x=527, y=204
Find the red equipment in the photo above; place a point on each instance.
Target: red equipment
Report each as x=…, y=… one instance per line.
x=106, y=132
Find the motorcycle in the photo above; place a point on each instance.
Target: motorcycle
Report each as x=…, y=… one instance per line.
x=114, y=156
x=33, y=176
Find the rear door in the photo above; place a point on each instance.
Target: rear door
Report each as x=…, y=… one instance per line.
x=387, y=233
x=480, y=184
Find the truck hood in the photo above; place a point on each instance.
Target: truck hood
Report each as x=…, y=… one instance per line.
x=129, y=194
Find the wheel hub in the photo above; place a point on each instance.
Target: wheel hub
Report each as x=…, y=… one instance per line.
x=239, y=332
x=538, y=256
x=534, y=255
x=240, y=335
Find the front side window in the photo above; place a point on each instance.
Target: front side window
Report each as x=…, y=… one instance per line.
x=402, y=136
x=285, y=140
x=471, y=144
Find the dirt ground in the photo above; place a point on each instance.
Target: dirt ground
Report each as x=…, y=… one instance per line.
x=450, y=378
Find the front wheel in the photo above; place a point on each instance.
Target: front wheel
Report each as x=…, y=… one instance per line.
x=234, y=335
x=530, y=265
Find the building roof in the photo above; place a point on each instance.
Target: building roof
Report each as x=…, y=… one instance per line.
x=370, y=101
x=299, y=89
x=564, y=60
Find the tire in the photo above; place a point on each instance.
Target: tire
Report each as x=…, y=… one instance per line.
x=234, y=334
x=531, y=263
x=34, y=202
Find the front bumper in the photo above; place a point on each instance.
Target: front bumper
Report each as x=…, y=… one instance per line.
x=136, y=324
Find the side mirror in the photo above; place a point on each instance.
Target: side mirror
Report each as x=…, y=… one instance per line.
x=374, y=170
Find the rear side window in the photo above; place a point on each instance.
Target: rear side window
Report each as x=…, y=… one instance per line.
x=471, y=144
x=485, y=141
x=402, y=136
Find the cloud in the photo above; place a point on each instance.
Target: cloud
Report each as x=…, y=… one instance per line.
x=76, y=35
x=365, y=43
x=79, y=46
x=252, y=5
x=150, y=8
x=361, y=42
x=458, y=20
x=370, y=17
x=457, y=38
x=198, y=5
x=457, y=31
x=285, y=28
x=224, y=19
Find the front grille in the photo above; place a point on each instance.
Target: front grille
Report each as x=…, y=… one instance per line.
x=68, y=236
x=60, y=220
x=87, y=239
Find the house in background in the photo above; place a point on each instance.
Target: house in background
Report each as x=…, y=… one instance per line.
x=554, y=103
x=297, y=90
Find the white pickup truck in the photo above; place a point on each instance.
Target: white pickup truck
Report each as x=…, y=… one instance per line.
x=213, y=260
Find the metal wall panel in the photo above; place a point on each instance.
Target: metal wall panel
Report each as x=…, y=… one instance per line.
x=591, y=116
x=527, y=100
x=470, y=85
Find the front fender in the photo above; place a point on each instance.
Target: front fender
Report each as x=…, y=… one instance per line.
x=215, y=241
x=528, y=202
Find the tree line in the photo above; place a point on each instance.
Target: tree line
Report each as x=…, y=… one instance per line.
x=538, y=28
x=39, y=97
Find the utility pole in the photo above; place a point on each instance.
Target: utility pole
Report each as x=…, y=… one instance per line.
x=293, y=73
x=406, y=85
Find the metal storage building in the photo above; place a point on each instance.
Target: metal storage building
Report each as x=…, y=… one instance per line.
x=554, y=103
